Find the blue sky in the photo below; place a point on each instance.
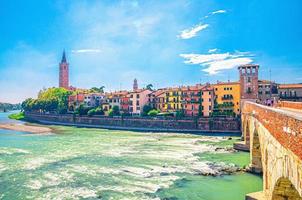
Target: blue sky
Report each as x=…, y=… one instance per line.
x=166, y=43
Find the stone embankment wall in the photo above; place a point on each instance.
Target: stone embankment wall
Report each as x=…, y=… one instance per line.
x=290, y=104
x=148, y=124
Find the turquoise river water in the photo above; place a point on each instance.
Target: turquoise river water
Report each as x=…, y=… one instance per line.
x=82, y=163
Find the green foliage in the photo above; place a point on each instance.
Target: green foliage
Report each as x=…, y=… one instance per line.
x=99, y=111
x=115, y=111
x=7, y=106
x=149, y=86
x=97, y=90
x=82, y=110
x=179, y=114
x=91, y=112
x=146, y=110
x=95, y=111
x=51, y=99
x=17, y=116
x=153, y=112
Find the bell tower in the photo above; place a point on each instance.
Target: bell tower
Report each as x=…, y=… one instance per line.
x=64, y=72
x=135, y=85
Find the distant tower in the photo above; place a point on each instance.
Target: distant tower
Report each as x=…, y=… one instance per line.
x=248, y=82
x=64, y=73
x=135, y=85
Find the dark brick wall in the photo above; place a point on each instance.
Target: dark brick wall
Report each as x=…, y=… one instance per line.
x=203, y=124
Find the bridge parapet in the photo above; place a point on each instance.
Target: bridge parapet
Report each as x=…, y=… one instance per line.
x=290, y=104
x=274, y=137
x=284, y=126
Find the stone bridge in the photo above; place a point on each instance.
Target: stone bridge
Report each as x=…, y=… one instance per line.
x=274, y=137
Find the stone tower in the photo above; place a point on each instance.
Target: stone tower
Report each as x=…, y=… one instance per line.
x=248, y=82
x=64, y=73
x=135, y=85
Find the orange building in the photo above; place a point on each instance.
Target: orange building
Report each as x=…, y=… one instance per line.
x=198, y=100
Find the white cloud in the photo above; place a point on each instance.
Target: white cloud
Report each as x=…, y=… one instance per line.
x=86, y=51
x=218, y=12
x=215, y=63
x=212, y=50
x=217, y=66
x=192, y=32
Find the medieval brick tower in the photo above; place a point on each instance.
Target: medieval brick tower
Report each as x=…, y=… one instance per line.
x=135, y=85
x=64, y=73
x=248, y=82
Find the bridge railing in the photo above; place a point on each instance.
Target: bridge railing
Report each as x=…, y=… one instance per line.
x=286, y=127
x=290, y=104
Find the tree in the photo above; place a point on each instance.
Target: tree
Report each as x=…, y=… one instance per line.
x=82, y=110
x=149, y=86
x=146, y=110
x=97, y=90
x=179, y=114
x=51, y=99
x=114, y=111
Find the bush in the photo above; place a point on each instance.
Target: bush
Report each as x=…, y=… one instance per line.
x=179, y=114
x=153, y=113
x=146, y=110
x=115, y=111
x=17, y=116
x=91, y=112
x=99, y=111
x=82, y=110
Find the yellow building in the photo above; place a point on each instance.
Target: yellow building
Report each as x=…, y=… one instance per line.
x=227, y=96
x=173, y=98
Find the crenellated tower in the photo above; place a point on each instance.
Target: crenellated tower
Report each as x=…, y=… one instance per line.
x=248, y=82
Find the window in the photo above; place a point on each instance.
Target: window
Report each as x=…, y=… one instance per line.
x=248, y=79
x=137, y=96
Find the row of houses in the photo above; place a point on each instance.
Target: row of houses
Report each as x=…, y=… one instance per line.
x=196, y=100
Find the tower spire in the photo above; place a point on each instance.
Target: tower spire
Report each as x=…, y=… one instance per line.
x=63, y=57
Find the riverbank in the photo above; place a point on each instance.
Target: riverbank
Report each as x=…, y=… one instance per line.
x=26, y=128
x=210, y=126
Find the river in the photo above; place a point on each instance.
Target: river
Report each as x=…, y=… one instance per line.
x=82, y=163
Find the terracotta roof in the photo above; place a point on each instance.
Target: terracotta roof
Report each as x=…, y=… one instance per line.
x=288, y=86
x=227, y=83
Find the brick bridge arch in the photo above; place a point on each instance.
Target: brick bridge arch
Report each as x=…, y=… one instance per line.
x=275, y=141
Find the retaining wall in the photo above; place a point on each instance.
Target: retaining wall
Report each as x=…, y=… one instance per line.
x=185, y=125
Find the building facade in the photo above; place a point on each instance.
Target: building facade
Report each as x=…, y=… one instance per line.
x=290, y=92
x=93, y=99
x=227, y=97
x=138, y=98
x=267, y=92
x=173, y=100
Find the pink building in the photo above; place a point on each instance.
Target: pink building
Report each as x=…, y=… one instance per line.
x=138, y=99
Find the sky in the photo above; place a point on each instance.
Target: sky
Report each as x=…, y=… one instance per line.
x=165, y=43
